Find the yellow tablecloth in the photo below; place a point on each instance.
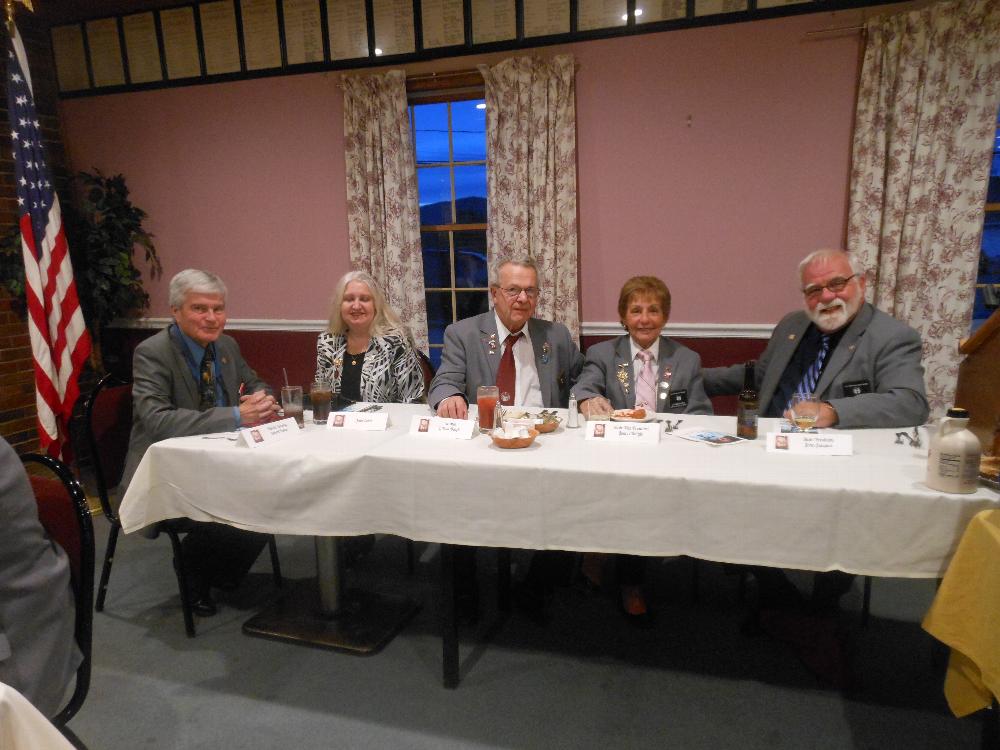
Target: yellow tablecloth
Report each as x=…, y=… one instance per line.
x=965, y=615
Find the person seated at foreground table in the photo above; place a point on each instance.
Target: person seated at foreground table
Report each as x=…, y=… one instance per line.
x=189, y=379
x=864, y=366
x=38, y=651
x=623, y=373
x=534, y=363
x=365, y=353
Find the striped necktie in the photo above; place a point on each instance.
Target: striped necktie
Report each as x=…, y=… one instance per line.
x=811, y=376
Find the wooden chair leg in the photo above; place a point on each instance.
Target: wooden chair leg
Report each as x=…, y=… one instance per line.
x=272, y=547
x=109, y=557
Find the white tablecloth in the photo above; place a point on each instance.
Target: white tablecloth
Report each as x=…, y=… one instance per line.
x=869, y=513
x=23, y=727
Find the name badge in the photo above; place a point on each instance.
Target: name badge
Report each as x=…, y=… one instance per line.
x=269, y=433
x=677, y=398
x=813, y=443
x=623, y=432
x=441, y=427
x=358, y=420
x=857, y=387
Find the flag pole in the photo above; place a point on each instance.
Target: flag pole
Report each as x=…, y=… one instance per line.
x=9, y=7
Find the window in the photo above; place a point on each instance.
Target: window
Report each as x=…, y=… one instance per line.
x=988, y=282
x=449, y=136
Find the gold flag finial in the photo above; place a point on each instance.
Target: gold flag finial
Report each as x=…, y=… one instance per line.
x=9, y=5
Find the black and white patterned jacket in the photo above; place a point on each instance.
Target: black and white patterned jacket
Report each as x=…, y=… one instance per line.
x=391, y=372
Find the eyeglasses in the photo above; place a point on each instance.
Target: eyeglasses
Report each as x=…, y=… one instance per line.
x=836, y=286
x=513, y=292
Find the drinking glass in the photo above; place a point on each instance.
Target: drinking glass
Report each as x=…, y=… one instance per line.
x=291, y=402
x=320, y=394
x=805, y=411
x=486, y=399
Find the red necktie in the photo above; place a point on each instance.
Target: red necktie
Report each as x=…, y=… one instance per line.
x=506, y=373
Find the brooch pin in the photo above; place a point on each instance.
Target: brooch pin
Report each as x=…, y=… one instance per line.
x=225, y=360
x=623, y=376
x=338, y=363
x=667, y=373
x=492, y=343
x=546, y=348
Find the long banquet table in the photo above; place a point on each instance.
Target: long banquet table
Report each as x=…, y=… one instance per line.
x=868, y=513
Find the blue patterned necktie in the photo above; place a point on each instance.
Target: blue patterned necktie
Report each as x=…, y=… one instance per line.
x=206, y=388
x=811, y=376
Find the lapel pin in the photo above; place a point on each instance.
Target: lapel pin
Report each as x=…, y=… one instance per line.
x=546, y=348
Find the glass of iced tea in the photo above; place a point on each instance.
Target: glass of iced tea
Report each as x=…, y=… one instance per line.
x=291, y=402
x=486, y=399
x=320, y=393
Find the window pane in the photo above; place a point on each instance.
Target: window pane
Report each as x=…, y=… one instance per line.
x=430, y=124
x=434, y=189
x=470, y=258
x=470, y=195
x=437, y=259
x=435, y=356
x=438, y=315
x=469, y=304
x=469, y=130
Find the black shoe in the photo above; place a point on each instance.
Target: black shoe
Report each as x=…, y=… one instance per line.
x=204, y=606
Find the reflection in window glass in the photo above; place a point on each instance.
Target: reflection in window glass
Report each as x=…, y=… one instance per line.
x=470, y=259
x=470, y=194
x=437, y=259
x=434, y=190
x=468, y=123
x=469, y=304
x=439, y=315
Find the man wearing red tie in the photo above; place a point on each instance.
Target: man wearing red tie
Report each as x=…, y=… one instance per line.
x=534, y=363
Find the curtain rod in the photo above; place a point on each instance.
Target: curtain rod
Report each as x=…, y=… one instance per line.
x=440, y=76
x=835, y=30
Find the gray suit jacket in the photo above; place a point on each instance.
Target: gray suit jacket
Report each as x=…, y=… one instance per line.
x=468, y=361
x=165, y=395
x=877, y=353
x=606, y=359
x=38, y=654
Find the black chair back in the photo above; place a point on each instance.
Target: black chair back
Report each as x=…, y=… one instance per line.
x=108, y=416
x=428, y=367
x=65, y=514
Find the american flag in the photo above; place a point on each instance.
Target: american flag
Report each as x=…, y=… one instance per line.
x=59, y=340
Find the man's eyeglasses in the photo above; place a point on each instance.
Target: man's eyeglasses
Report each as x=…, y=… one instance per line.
x=836, y=286
x=513, y=292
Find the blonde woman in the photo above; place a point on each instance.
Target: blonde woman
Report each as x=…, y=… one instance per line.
x=365, y=353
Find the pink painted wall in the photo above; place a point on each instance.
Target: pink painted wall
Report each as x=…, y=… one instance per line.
x=713, y=157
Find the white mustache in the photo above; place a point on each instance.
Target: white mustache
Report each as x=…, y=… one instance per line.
x=835, y=305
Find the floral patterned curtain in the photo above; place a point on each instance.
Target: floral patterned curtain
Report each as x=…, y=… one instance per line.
x=926, y=115
x=383, y=213
x=531, y=175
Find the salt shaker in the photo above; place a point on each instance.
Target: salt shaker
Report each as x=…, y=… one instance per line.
x=573, y=420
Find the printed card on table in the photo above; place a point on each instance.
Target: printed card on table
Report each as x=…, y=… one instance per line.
x=269, y=433
x=623, y=432
x=812, y=443
x=709, y=437
x=442, y=428
x=358, y=420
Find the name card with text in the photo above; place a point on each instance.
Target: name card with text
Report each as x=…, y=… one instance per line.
x=440, y=427
x=623, y=432
x=358, y=420
x=812, y=443
x=270, y=433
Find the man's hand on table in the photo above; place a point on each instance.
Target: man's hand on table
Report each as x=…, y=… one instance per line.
x=595, y=407
x=453, y=407
x=827, y=415
x=257, y=407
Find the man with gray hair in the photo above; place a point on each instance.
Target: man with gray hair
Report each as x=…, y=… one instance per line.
x=190, y=379
x=864, y=367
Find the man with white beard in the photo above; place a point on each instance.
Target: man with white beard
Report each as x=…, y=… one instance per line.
x=865, y=364
x=865, y=368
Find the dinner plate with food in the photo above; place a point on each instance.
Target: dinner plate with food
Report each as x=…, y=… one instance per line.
x=632, y=415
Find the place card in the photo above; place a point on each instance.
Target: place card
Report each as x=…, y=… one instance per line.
x=358, y=420
x=441, y=427
x=269, y=433
x=813, y=443
x=623, y=432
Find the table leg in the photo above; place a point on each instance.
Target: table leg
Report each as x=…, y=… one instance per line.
x=323, y=612
x=449, y=622
x=503, y=579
